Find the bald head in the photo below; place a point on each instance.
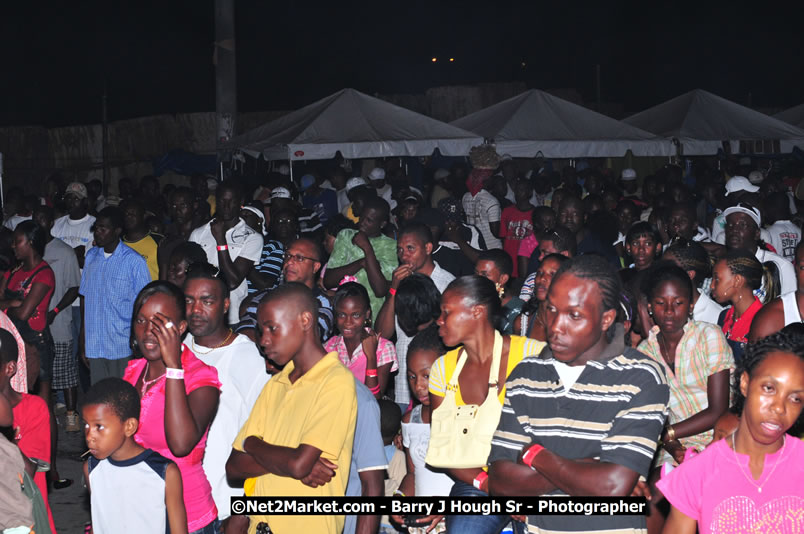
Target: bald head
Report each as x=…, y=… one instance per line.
x=292, y=297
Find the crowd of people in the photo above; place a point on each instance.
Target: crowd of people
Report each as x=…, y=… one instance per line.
x=505, y=329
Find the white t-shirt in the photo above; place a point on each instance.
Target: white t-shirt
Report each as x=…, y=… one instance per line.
x=706, y=309
x=241, y=371
x=784, y=237
x=62, y=260
x=12, y=222
x=787, y=274
x=243, y=242
x=568, y=374
x=481, y=210
x=76, y=233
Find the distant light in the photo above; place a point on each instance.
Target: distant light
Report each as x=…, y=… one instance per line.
x=451, y=59
x=524, y=64
x=434, y=59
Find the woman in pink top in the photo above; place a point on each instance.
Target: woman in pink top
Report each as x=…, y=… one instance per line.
x=751, y=480
x=179, y=396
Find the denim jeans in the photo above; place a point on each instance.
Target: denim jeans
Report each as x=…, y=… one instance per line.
x=477, y=524
x=212, y=528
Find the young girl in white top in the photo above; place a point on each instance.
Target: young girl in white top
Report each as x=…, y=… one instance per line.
x=424, y=349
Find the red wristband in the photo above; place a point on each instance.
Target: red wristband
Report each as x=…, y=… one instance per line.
x=530, y=454
x=221, y=248
x=371, y=372
x=392, y=292
x=480, y=479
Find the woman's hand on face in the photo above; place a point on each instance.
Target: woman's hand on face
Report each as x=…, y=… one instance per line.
x=169, y=339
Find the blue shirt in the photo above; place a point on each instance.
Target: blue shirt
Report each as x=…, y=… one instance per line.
x=271, y=261
x=368, y=451
x=109, y=287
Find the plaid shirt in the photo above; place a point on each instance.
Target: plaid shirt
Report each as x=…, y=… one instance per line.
x=385, y=354
x=701, y=353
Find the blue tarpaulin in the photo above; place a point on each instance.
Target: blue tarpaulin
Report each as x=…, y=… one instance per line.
x=186, y=163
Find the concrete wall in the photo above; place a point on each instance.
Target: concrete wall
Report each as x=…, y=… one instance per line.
x=33, y=153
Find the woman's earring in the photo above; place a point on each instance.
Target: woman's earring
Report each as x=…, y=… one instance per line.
x=500, y=289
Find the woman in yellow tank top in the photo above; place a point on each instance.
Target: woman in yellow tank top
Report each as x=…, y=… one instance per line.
x=469, y=307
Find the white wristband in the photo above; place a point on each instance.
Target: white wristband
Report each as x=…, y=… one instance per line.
x=176, y=374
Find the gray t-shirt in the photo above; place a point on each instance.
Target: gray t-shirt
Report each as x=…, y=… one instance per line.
x=61, y=258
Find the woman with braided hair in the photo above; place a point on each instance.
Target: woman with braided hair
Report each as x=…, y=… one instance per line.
x=693, y=258
x=734, y=280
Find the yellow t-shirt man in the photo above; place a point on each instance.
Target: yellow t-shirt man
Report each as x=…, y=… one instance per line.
x=320, y=410
x=146, y=247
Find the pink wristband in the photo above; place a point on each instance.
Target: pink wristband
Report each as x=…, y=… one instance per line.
x=530, y=454
x=176, y=374
x=371, y=372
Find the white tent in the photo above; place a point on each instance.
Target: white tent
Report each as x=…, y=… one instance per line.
x=702, y=121
x=794, y=116
x=357, y=126
x=535, y=121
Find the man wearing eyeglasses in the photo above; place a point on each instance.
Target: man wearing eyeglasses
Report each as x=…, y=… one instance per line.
x=302, y=264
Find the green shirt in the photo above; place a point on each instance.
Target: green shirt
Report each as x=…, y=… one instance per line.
x=345, y=252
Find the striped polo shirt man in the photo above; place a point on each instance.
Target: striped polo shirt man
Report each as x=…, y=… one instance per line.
x=613, y=412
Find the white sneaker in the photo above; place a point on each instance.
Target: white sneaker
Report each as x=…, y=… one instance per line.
x=73, y=422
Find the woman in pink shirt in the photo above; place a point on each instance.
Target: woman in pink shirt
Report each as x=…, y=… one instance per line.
x=179, y=395
x=751, y=480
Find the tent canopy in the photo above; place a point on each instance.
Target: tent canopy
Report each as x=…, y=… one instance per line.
x=702, y=121
x=535, y=121
x=794, y=116
x=357, y=126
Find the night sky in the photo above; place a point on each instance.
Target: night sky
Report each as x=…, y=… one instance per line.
x=156, y=56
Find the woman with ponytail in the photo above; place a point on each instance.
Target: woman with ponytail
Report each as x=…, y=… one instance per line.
x=734, y=279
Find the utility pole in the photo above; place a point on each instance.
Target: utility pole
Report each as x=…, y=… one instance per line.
x=105, y=140
x=225, y=72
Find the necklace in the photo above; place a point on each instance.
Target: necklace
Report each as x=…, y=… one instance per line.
x=748, y=475
x=671, y=361
x=219, y=345
x=147, y=383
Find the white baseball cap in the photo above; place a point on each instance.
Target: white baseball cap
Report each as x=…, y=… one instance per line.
x=748, y=210
x=756, y=177
x=357, y=181
x=628, y=175
x=377, y=174
x=740, y=183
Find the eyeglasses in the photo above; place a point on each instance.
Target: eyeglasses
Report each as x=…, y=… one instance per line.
x=298, y=258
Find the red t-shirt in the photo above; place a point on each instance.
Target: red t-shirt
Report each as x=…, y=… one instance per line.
x=515, y=225
x=32, y=429
x=38, y=320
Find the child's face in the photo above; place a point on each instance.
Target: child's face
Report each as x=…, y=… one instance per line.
x=643, y=249
x=351, y=315
x=177, y=271
x=419, y=363
x=774, y=393
x=104, y=431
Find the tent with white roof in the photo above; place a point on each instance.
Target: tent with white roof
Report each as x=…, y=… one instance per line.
x=357, y=126
x=702, y=122
x=538, y=122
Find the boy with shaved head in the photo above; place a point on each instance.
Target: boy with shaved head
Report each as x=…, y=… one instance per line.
x=298, y=439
